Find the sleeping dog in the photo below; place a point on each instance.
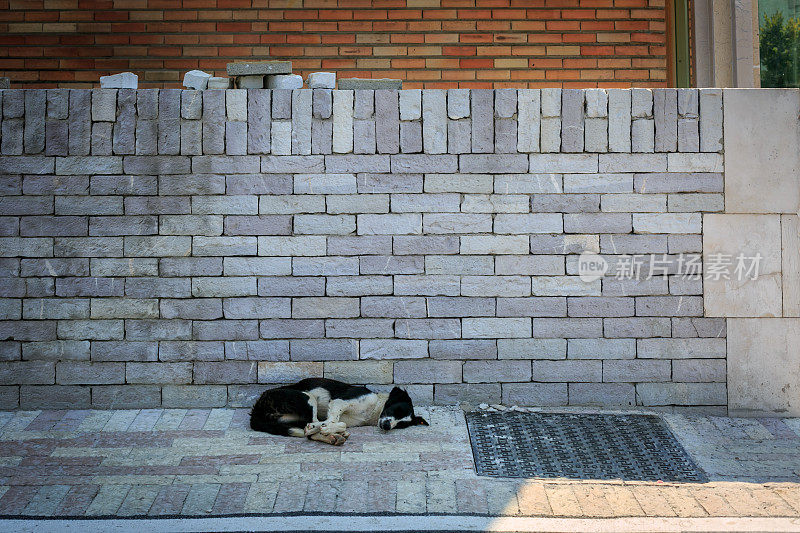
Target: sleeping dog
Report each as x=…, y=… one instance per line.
x=296, y=410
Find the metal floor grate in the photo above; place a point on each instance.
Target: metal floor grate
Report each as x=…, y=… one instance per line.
x=578, y=446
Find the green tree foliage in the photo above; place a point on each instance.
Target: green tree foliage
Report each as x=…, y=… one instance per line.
x=780, y=45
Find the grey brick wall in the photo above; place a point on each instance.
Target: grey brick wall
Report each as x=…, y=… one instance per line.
x=184, y=248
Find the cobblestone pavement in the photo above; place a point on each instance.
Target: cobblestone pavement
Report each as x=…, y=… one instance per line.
x=208, y=462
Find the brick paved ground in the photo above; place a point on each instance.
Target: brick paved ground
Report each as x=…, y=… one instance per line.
x=207, y=462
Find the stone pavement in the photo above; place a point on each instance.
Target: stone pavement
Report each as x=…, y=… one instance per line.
x=208, y=462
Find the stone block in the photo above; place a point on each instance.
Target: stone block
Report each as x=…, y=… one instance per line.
x=427, y=371
x=259, y=119
x=369, y=84
x=572, y=120
x=123, y=80
x=434, y=121
x=251, y=68
x=463, y=349
x=760, y=177
x=710, y=101
x=323, y=349
x=535, y=394
x=193, y=396
x=196, y=79
x=496, y=327
x=726, y=237
x=482, y=113
x=619, y=120
x=665, y=114
x=219, y=82
x=602, y=394
x=279, y=81
x=601, y=348
x=656, y=394
x=496, y=371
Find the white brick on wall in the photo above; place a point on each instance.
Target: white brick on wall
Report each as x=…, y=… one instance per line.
x=184, y=248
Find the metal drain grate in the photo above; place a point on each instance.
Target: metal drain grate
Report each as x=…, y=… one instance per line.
x=578, y=446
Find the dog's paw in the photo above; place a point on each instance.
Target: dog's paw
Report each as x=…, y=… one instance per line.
x=333, y=427
x=312, y=428
x=339, y=439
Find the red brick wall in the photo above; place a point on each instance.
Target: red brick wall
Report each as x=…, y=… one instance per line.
x=428, y=43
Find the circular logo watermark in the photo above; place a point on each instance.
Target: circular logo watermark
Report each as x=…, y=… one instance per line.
x=591, y=267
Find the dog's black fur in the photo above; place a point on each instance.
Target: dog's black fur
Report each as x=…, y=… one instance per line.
x=291, y=410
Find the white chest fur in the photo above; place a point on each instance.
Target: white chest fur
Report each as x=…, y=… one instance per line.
x=363, y=411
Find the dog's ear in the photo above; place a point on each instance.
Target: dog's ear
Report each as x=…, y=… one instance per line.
x=419, y=421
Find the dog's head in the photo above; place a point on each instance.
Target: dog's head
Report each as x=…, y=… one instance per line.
x=398, y=412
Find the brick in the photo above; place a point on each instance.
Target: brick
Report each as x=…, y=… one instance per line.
x=458, y=105
x=323, y=349
x=359, y=328
x=190, y=351
x=636, y=370
x=566, y=370
x=56, y=351
x=643, y=135
x=633, y=202
x=157, y=288
x=474, y=393
x=537, y=394
x=567, y=327
x=390, y=224
x=531, y=348
x=566, y=163
x=426, y=203
x=389, y=183
x=407, y=163
x=427, y=244
x=427, y=285
x=85, y=373
x=682, y=393
x=528, y=223
x=124, y=308
x=195, y=308
x=434, y=121
x=496, y=327
x=216, y=287
x=482, y=113
x=325, y=307
x=496, y=371
x=428, y=328
x=427, y=371
x=357, y=203
x=286, y=372
x=667, y=223
x=343, y=121
x=387, y=121
x=34, y=136
x=27, y=373
x=602, y=394
x=193, y=396
x=291, y=329
x=458, y=265
x=225, y=372
x=457, y=223
x=601, y=348
x=699, y=370
x=272, y=350
x=665, y=113
x=477, y=163
x=291, y=286
x=123, y=133
x=460, y=307
x=633, y=162
x=160, y=373
x=533, y=307
x=637, y=327
x=528, y=122
x=79, y=122
x=410, y=137
x=393, y=306
x=104, y=105
x=710, y=101
x=572, y=120
x=494, y=244
x=678, y=182
x=226, y=330
x=684, y=348
x=364, y=245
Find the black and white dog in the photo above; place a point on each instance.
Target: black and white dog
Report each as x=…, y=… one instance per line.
x=296, y=410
